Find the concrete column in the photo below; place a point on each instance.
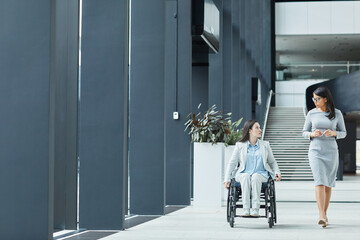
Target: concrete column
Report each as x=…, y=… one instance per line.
x=103, y=114
x=65, y=111
x=178, y=94
x=147, y=108
x=26, y=173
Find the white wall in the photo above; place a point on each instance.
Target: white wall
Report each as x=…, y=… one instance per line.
x=292, y=93
x=338, y=17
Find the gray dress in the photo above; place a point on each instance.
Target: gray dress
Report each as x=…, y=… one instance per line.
x=323, y=151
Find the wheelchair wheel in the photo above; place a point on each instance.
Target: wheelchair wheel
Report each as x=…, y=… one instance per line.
x=267, y=203
x=271, y=222
x=228, y=206
x=272, y=208
x=274, y=201
x=232, y=217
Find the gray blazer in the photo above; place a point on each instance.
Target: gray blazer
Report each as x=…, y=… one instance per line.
x=239, y=158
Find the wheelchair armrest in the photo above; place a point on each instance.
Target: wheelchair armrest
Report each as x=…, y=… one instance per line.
x=232, y=182
x=270, y=180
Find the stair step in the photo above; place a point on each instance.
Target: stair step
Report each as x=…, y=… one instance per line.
x=296, y=175
x=283, y=146
x=291, y=157
x=297, y=179
x=284, y=132
x=293, y=165
x=298, y=172
x=297, y=169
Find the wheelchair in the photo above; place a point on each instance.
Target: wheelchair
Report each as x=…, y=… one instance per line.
x=267, y=201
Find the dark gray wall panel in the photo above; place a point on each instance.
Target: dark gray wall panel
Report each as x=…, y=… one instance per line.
x=246, y=50
x=216, y=69
x=200, y=94
x=65, y=92
x=344, y=89
x=245, y=78
x=256, y=53
x=178, y=90
x=226, y=54
x=266, y=56
x=147, y=96
x=25, y=170
x=347, y=148
x=103, y=114
x=200, y=86
x=235, y=61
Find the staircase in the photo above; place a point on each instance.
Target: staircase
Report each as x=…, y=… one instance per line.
x=290, y=149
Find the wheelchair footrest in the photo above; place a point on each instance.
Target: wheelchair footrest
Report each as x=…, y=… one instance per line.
x=241, y=206
x=250, y=216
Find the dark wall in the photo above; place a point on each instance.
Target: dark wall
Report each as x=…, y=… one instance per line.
x=246, y=52
x=235, y=61
x=147, y=119
x=216, y=69
x=347, y=148
x=103, y=114
x=178, y=91
x=344, y=89
x=26, y=174
x=200, y=88
x=64, y=112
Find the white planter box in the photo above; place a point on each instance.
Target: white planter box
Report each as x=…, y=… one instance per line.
x=208, y=172
x=227, y=156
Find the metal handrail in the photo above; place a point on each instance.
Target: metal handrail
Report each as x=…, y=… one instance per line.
x=271, y=93
x=305, y=111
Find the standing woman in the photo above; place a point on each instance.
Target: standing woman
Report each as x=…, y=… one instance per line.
x=255, y=161
x=323, y=125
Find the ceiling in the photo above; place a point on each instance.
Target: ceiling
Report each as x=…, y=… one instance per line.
x=305, y=49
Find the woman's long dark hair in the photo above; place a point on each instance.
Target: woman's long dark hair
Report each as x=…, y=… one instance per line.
x=247, y=126
x=324, y=92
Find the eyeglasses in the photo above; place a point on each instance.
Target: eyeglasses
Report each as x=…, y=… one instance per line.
x=316, y=99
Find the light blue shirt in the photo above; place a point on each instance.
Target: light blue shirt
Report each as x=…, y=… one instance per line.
x=254, y=160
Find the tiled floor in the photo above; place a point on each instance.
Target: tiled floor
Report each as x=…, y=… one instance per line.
x=295, y=221
x=297, y=217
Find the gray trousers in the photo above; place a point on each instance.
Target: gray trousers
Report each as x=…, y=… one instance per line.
x=251, y=186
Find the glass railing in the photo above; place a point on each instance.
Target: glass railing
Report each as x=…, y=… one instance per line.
x=327, y=70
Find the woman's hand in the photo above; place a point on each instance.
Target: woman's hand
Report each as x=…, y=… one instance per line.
x=278, y=177
x=227, y=185
x=316, y=133
x=330, y=133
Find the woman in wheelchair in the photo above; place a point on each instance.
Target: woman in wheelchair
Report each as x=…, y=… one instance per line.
x=255, y=161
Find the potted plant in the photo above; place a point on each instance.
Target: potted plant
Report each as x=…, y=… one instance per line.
x=211, y=127
x=211, y=133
